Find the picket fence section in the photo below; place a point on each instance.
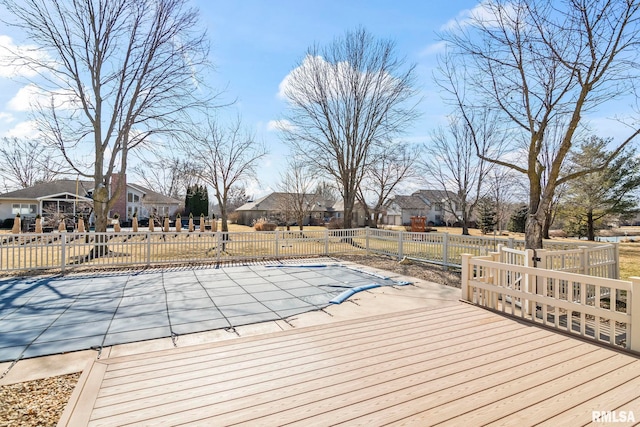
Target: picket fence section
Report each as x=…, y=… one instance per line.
x=596, y=308
x=62, y=251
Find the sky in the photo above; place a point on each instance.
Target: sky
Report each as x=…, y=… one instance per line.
x=256, y=43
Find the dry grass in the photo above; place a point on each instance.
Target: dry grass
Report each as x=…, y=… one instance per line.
x=629, y=260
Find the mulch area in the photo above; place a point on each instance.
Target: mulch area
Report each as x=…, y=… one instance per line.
x=41, y=402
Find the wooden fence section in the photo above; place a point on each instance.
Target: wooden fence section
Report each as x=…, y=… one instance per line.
x=63, y=251
x=596, y=308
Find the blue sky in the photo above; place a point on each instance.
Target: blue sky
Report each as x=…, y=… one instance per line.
x=256, y=43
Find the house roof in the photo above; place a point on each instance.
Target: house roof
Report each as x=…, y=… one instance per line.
x=435, y=196
x=409, y=202
x=277, y=201
x=69, y=186
x=81, y=188
x=153, y=197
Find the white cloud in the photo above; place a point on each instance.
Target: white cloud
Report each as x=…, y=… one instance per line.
x=434, y=48
x=31, y=95
x=335, y=77
x=17, y=61
x=279, y=125
x=484, y=12
x=26, y=129
x=6, y=117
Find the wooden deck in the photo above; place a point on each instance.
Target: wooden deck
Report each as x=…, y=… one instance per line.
x=457, y=365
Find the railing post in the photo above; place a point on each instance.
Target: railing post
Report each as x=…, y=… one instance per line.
x=466, y=274
x=149, y=248
x=326, y=242
x=584, y=262
x=616, y=265
x=400, y=239
x=634, y=298
x=445, y=249
x=530, y=286
x=511, y=243
x=366, y=233
x=218, y=243
x=63, y=249
x=277, y=245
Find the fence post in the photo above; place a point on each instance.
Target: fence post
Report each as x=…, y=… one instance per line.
x=277, y=245
x=218, y=243
x=149, y=247
x=634, y=298
x=366, y=232
x=400, y=238
x=326, y=242
x=584, y=262
x=466, y=274
x=511, y=243
x=63, y=249
x=530, y=284
x=616, y=265
x=445, y=249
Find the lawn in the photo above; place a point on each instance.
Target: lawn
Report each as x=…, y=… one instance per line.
x=629, y=260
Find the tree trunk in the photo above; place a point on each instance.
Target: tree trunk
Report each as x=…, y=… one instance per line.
x=591, y=233
x=533, y=233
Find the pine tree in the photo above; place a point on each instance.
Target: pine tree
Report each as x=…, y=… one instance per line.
x=518, y=220
x=486, y=215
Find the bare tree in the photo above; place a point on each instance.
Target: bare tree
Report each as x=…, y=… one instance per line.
x=344, y=101
x=224, y=156
x=121, y=71
x=170, y=175
x=536, y=62
x=24, y=163
x=296, y=183
x=501, y=183
x=394, y=165
x=450, y=160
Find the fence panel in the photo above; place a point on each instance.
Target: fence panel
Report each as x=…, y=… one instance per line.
x=68, y=250
x=593, y=307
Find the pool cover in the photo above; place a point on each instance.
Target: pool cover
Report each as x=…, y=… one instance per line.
x=50, y=315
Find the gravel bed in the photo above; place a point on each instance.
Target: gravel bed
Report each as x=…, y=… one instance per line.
x=36, y=403
x=41, y=402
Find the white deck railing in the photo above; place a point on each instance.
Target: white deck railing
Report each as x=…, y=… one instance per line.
x=62, y=251
x=596, y=308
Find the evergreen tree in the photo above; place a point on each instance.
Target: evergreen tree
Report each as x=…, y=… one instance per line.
x=486, y=215
x=197, y=200
x=518, y=220
x=606, y=193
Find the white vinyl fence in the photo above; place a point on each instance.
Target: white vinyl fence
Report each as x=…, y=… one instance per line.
x=595, y=308
x=63, y=251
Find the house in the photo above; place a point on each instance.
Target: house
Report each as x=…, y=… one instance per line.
x=432, y=204
x=400, y=209
x=440, y=211
x=276, y=207
x=70, y=198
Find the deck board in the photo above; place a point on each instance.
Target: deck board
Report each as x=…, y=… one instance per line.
x=453, y=365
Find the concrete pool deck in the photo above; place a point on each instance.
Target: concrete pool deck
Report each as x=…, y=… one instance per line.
x=248, y=306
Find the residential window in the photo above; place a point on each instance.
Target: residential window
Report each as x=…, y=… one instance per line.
x=23, y=209
x=438, y=207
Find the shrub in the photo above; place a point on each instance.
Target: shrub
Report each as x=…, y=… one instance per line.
x=7, y=224
x=234, y=217
x=263, y=224
x=335, y=224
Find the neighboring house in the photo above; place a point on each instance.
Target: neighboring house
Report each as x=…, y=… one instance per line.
x=440, y=212
x=358, y=215
x=431, y=204
x=71, y=198
x=276, y=207
x=400, y=209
